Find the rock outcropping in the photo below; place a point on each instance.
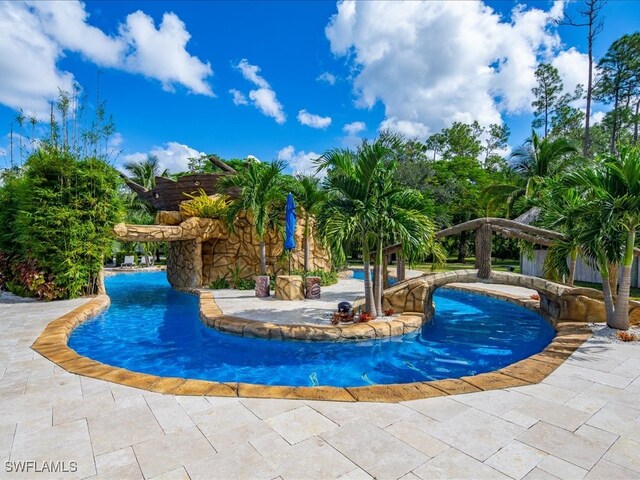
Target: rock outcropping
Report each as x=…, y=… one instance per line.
x=202, y=250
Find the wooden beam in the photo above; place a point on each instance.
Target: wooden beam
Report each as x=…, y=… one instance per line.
x=221, y=165
x=139, y=189
x=461, y=227
x=392, y=249
x=508, y=233
x=502, y=222
x=542, y=232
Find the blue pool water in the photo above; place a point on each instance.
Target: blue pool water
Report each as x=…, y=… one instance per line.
x=359, y=274
x=151, y=328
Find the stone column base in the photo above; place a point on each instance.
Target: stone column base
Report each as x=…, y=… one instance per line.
x=289, y=287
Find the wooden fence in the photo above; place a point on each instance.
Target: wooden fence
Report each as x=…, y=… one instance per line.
x=584, y=272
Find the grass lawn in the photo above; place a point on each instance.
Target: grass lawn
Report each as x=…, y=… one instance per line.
x=453, y=264
x=634, y=294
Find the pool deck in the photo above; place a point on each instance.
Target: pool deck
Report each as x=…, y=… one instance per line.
x=582, y=421
x=244, y=304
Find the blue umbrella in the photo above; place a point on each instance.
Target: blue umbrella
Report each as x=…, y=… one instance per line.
x=290, y=226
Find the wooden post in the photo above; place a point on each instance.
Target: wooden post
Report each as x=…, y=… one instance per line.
x=400, y=267
x=483, y=251
x=385, y=271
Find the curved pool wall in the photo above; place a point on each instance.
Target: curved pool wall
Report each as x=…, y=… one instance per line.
x=151, y=328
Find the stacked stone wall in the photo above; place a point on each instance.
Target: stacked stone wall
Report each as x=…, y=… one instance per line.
x=202, y=250
x=557, y=301
x=184, y=264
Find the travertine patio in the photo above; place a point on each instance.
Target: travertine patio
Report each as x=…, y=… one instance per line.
x=581, y=421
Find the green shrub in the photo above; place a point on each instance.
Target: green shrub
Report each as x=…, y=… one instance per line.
x=245, y=284
x=204, y=206
x=57, y=215
x=219, y=284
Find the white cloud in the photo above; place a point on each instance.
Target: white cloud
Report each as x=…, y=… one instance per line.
x=34, y=36
x=596, y=117
x=433, y=63
x=327, y=77
x=312, y=120
x=250, y=72
x=238, y=97
x=352, y=139
x=28, y=58
x=66, y=24
x=410, y=129
x=300, y=161
x=264, y=98
x=161, y=53
x=573, y=68
x=354, y=128
x=173, y=156
x=114, y=145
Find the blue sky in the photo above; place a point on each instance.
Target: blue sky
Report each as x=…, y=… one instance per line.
x=168, y=70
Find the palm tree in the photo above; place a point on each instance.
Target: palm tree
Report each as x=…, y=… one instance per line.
x=562, y=210
x=613, y=188
x=365, y=203
x=261, y=193
x=350, y=212
x=403, y=217
x=533, y=163
x=144, y=172
x=311, y=198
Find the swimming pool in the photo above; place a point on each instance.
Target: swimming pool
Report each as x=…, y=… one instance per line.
x=151, y=328
x=359, y=275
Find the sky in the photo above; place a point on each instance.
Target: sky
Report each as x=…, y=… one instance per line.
x=291, y=79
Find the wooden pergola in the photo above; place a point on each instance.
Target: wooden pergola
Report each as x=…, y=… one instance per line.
x=485, y=227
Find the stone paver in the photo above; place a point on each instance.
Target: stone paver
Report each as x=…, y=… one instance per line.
x=582, y=421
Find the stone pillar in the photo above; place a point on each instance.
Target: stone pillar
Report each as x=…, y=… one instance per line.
x=100, y=288
x=262, y=286
x=289, y=287
x=483, y=250
x=312, y=288
x=184, y=264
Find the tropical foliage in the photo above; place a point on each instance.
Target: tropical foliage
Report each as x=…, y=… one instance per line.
x=310, y=198
x=57, y=213
x=204, y=206
x=260, y=190
x=366, y=203
x=611, y=218
x=537, y=161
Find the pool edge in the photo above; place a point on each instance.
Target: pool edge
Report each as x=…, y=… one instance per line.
x=52, y=343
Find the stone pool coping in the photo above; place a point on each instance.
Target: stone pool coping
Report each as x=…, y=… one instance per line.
x=52, y=344
x=212, y=316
